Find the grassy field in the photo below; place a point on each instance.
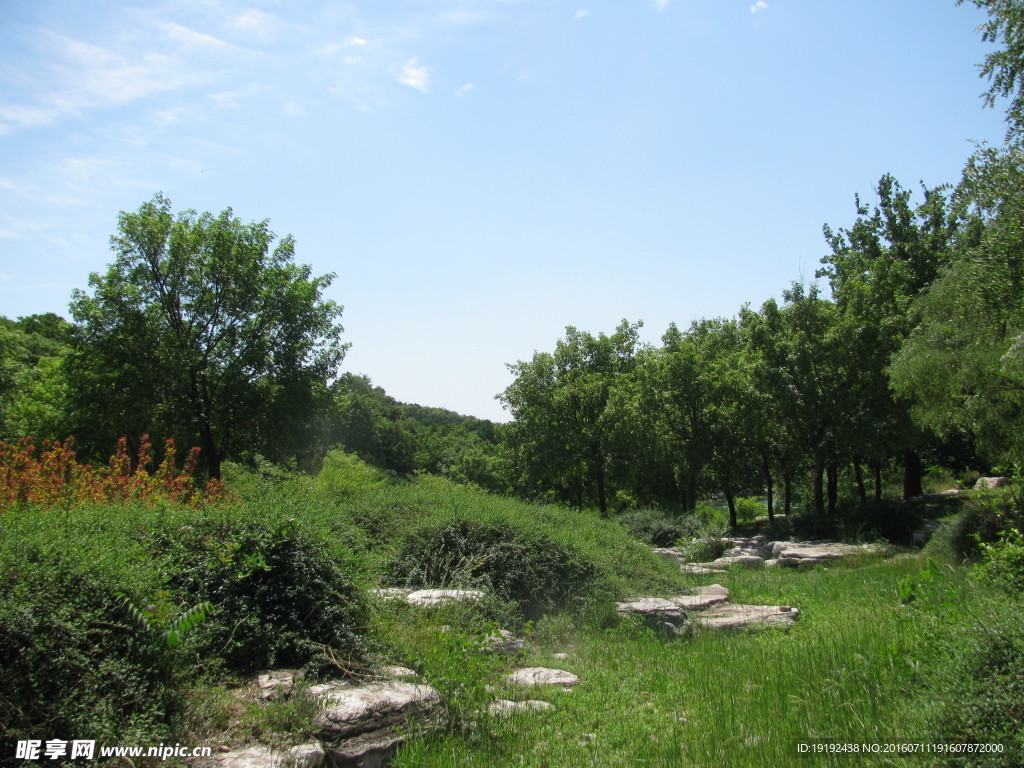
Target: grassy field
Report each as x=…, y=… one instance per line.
x=859, y=666
x=905, y=649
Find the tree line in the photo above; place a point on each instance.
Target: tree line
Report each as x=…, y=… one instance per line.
x=204, y=329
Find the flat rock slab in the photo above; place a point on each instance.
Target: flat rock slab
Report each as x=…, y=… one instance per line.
x=302, y=756
x=362, y=725
x=672, y=554
x=991, y=482
x=698, y=569
x=661, y=607
x=505, y=708
x=733, y=616
x=543, y=676
x=747, y=561
x=814, y=550
x=276, y=683
x=392, y=593
x=440, y=596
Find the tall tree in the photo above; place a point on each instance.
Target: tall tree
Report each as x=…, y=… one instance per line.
x=1004, y=68
x=876, y=269
x=562, y=431
x=200, y=329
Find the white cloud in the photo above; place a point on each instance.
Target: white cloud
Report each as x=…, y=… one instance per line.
x=661, y=5
x=263, y=26
x=414, y=76
x=760, y=5
x=462, y=90
x=582, y=13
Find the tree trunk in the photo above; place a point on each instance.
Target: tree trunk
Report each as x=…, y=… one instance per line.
x=787, y=492
x=878, y=481
x=861, y=490
x=768, y=484
x=912, y=474
x=602, y=501
x=819, y=473
x=833, y=488
x=731, y=501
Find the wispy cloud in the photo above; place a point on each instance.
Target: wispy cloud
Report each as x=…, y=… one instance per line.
x=462, y=90
x=760, y=5
x=661, y=5
x=415, y=76
x=582, y=13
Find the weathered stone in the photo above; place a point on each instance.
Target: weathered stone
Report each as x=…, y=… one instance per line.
x=542, y=676
x=302, y=756
x=504, y=643
x=703, y=597
x=651, y=606
x=747, y=561
x=392, y=593
x=814, y=550
x=362, y=725
x=990, y=482
x=276, y=683
x=430, y=597
x=700, y=569
x=731, y=616
x=504, y=707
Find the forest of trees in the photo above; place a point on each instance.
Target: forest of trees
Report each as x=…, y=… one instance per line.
x=910, y=354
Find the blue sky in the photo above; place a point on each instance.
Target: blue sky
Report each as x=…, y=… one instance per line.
x=480, y=173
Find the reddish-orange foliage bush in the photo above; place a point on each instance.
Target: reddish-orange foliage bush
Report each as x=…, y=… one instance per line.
x=49, y=475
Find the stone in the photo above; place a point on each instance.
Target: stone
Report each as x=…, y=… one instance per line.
x=990, y=482
x=560, y=656
x=542, y=676
x=698, y=569
x=504, y=707
x=733, y=616
x=503, y=643
x=302, y=756
x=430, y=597
x=362, y=725
x=276, y=684
x=747, y=561
x=392, y=593
x=789, y=551
x=657, y=613
x=702, y=597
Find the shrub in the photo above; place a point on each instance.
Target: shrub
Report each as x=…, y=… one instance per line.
x=749, y=508
x=71, y=664
x=654, y=527
x=515, y=563
x=1002, y=561
x=281, y=598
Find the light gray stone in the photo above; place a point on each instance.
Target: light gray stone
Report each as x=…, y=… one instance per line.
x=733, y=616
x=747, y=561
x=505, y=708
x=542, y=676
x=429, y=597
x=362, y=725
x=700, y=569
x=991, y=482
x=276, y=683
x=398, y=673
x=391, y=593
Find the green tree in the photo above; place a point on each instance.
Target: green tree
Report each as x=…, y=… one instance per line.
x=562, y=434
x=963, y=364
x=1004, y=68
x=201, y=330
x=877, y=268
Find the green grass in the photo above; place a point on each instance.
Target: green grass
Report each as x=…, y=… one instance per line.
x=857, y=666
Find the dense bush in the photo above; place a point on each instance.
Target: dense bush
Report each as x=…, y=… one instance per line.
x=514, y=563
x=281, y=598
x=654, y=527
